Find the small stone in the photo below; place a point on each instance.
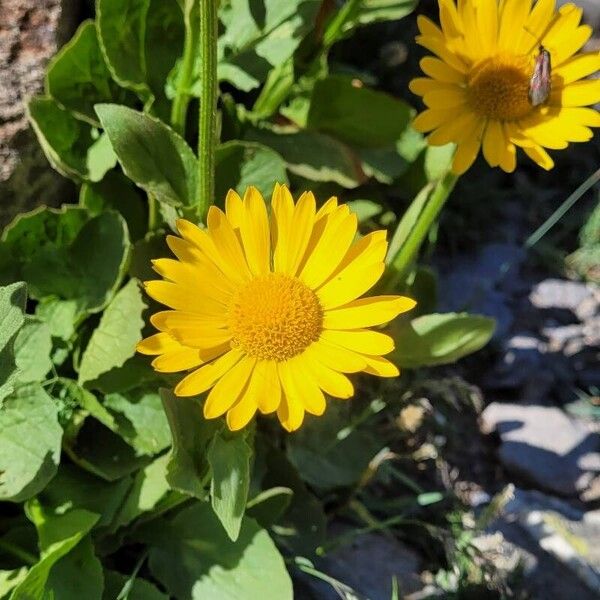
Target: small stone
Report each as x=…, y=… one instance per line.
x=562, y=294
x=544, y=446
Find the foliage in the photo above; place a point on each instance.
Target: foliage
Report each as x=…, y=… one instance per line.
x=128, y=490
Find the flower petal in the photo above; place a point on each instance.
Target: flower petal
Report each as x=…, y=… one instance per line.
x=366, y=312
x=360, y=340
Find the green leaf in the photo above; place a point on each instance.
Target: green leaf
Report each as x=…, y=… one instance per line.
x=364, y=209
x=59, y=534
x=75, y=488
x=71, y=146
x=241, y=164
x=78, y=77
x=30, y=438
x=328, y=452
x=140, y=588
x=194, y=559
x=163, y=46
x=121, y=30
x=229, y=458
x=114, y=340
x=10, y=580
x=33, y=345
x=77, y=575
x=140, y=420
x=355, y=13
x=103, y=453
x=438, y=160
x=59, y=315
x=56, y=253
x=148, y=488
x=439, y=339
x=116, y=192
x=260, y=35
x=277, y=87
x=12, y=308
x=357, y=115
x=191, y=434
x=152, y=155
x=313, y=155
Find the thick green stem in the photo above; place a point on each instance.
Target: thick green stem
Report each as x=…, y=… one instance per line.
x=186, y=73
x=407, y=251
x=207, y=129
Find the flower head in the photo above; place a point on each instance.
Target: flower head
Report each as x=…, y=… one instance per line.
x=477, y=91
x=265, y=311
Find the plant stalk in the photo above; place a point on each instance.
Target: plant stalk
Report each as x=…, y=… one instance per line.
x=407, y=252
x=184, y=81
x=207, y=127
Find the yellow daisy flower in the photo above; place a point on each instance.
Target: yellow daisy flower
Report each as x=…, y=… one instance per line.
x=477, y=90
x=266, y=311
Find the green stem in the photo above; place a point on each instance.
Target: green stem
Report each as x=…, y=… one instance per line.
x=207, y=129
x=408, y=249
x=152, y=213
x=184, y=81
x=26, y=557
x=562, y=210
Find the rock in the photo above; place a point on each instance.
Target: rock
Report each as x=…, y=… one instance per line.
x=544, y=446
x=560, y=536
x=31, y=31
x=367, y=565
x=558, y=295
x=481, y=283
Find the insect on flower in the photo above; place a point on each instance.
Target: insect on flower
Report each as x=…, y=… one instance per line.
x=540, y=83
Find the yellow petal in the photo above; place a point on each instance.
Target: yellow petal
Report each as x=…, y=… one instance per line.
x=453, y=130
x=493, y=141
x=332, y=382
x=179, y=319
x=423, y=85
x=487, y=25
x=467, y=150
x=335, y=357
x=575, y=68
x=228, y=389
x=328, y=207
x=579, y=93
x=290, y=413
x=205, y=377
x=330, y=247
x=282, y=212
x=537, y=25
x=255, y=232
x=360, y=340
x=182, y=298
x=178, y=360
x=264, y=387
x=234, y=208
x=359, y=271
x=381, y=367
x=227, y=245
x=438, y=69
x=540, y=156
x=300, y=386
x=428, y=28
x=241, y=413
x=512, y=21
x=302, y=225
x=433, y=118
x=159, y=343
x=448, y=98
x=367, y=312
x=439, y=48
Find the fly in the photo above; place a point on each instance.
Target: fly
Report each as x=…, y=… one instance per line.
x=540, y=84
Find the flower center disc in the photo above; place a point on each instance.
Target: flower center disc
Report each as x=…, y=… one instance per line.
x=275, y=317
x=499, y=89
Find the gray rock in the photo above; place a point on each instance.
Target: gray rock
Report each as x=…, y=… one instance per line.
x=367, y=565
x=31, y=31
x=564, y=294
x=544, y=446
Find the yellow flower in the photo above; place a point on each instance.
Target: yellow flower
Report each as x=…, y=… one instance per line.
x=266, y=310
x=477, y=91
